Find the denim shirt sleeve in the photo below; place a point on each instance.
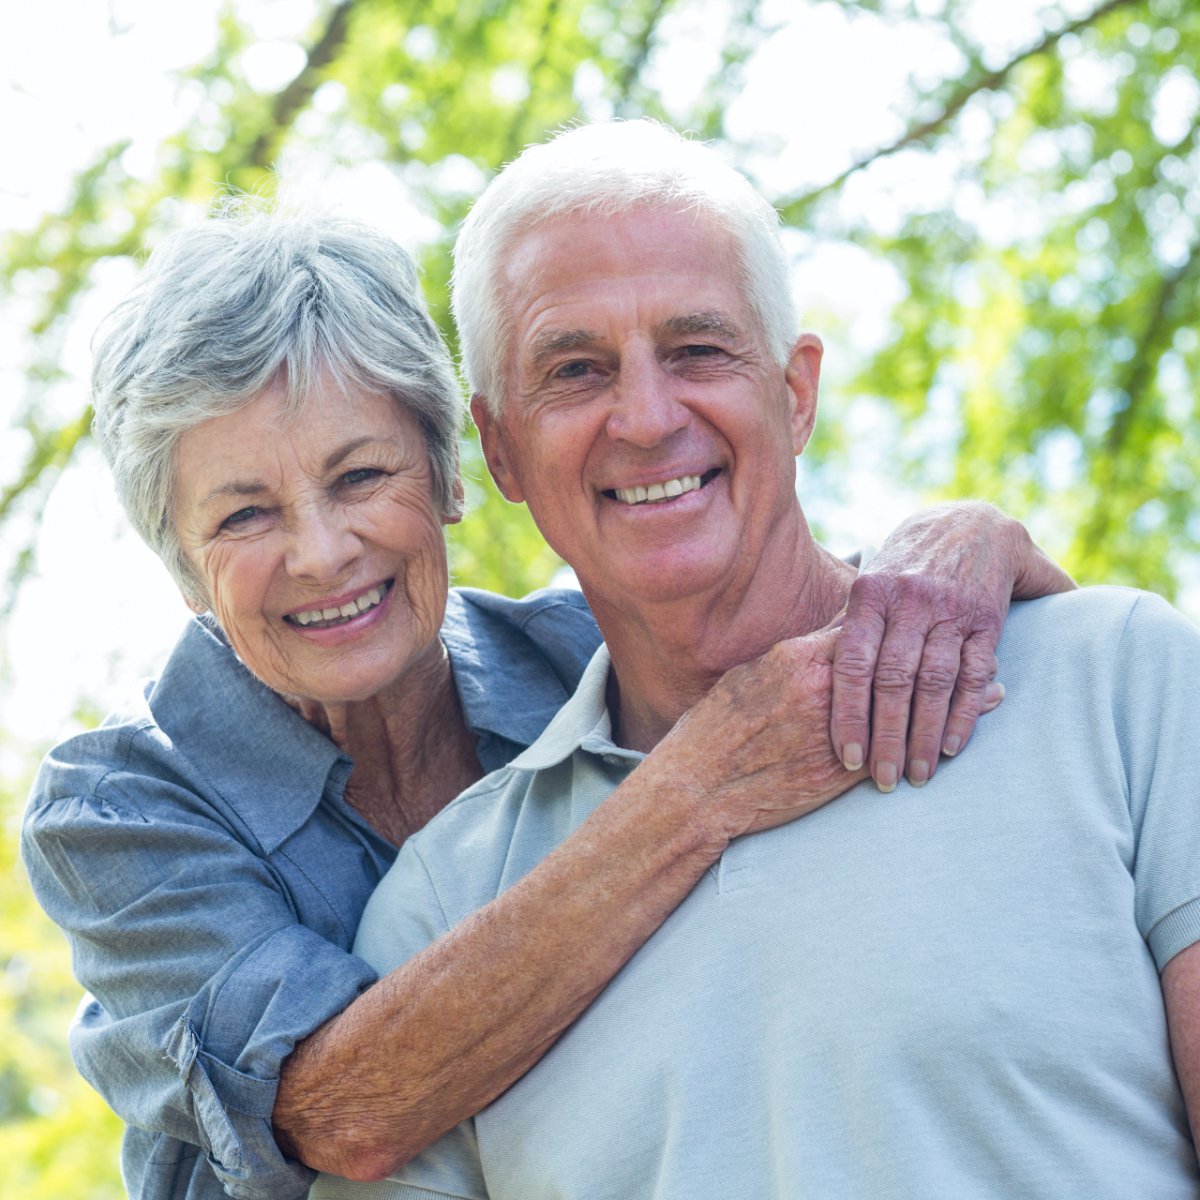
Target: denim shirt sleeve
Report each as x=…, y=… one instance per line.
x=204, y=978
x=210, y=889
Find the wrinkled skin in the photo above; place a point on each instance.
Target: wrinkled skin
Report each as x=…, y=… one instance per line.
x=913, y=667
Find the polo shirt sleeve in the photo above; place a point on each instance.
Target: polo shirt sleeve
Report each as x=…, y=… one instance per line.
x=1156, y=707
x=201, y=979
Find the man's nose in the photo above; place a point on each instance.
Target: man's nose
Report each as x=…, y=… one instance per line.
x=647, y=407
x=322, y=546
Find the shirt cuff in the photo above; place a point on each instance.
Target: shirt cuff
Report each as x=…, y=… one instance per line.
x=228, y=1049
x=1177, y=931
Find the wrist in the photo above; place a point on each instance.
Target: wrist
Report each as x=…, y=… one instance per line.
x=689, y=819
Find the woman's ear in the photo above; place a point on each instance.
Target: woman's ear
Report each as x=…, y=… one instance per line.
x=458, y=498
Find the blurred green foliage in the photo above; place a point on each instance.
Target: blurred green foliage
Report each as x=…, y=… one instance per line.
x=1042, y=353
x=1051, y=308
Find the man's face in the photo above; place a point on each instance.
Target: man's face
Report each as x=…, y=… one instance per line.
x=644, y=421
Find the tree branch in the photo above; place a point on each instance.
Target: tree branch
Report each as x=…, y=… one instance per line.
x=633, y=66
x=1113, y=466
x=1145, y=358
x=297, y=94
x=988, y=82
x=51, y=452
x=515, y=140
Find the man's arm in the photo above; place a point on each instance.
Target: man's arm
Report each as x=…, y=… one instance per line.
x=1157, y=721
x=1181, y=995
x=916, y=657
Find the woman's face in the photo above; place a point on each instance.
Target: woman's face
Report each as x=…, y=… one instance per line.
x=317, y=539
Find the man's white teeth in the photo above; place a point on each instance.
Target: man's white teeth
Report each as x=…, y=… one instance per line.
x=351, y=608
x=659, y=491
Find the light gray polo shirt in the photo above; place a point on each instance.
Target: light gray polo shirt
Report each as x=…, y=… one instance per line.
x=945, y=993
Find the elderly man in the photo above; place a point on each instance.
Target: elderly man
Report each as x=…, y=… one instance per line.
x=957, y=997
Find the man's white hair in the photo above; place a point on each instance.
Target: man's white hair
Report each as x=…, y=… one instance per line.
x=608, y=169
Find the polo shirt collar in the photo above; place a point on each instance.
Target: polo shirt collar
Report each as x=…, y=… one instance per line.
x=583, y=723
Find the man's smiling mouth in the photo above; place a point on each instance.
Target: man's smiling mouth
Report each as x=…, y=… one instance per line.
x=667, y=490
x=326, y=618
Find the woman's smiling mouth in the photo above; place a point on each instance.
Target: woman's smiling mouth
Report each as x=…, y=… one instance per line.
x=326, y=618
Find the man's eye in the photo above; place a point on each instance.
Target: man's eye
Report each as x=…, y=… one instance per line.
x=574, y=370
x=700, y=351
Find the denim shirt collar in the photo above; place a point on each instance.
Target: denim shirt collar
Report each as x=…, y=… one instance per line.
x=233, y=729
x=505, y=691
x=241, y=737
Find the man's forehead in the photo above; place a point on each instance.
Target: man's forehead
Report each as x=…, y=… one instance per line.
x=579, y=244
x=581, y=281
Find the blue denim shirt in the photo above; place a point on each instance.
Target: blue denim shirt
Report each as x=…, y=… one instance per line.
x=199, y=855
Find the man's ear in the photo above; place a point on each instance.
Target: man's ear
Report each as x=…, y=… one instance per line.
x=496, y=452
x=803, y=375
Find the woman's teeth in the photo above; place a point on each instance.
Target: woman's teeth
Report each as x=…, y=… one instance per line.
x=659, y=491
x=352, y=608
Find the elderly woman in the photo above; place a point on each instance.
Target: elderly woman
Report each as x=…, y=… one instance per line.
x=281, y=417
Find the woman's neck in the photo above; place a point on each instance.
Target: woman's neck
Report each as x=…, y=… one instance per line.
x=410, y=744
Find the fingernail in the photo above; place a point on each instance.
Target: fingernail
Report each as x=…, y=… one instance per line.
x=886, y=776
x=852, y=756
x=952, y=745
x=918, y=772
x=992, y=695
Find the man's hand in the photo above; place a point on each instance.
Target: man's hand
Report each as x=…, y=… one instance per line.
x=915, y=663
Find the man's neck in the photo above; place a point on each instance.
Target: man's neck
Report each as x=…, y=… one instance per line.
x=666, y=657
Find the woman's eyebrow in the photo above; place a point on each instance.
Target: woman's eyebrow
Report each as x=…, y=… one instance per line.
x=235, y=488
x=343, y=452
x=255, y=487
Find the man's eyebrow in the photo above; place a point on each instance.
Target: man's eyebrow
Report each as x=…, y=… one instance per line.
x=713, y=322
x=557, y=341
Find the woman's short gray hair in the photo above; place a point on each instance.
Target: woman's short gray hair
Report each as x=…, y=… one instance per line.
x=608, y=169
x=223, y=310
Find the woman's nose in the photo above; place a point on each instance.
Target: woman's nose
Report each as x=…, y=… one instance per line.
x=322, y=545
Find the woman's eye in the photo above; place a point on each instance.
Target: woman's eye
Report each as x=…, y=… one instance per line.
x=361, y=475
x=239, y=518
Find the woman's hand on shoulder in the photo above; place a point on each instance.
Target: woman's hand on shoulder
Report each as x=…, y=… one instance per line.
x=915, y=664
